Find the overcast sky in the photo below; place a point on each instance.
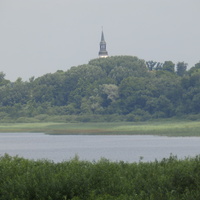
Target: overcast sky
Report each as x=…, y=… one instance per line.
x=43, y=36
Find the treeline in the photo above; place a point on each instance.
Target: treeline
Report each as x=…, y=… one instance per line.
x=170, y=178
x=123, y=87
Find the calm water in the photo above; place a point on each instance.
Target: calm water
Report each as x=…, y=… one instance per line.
x=115, y=148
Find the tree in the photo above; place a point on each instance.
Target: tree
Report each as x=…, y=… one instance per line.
x=169, y=66
x=159, y=66
x=3, y=81
x=181, y=68
x=150, y=65
x=194, y=69
x=131, y=62
x=119, y=73
x=109, y=94
x=134, y=93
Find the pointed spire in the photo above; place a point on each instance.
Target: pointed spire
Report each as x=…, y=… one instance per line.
x=102, y=36
x=103, y=52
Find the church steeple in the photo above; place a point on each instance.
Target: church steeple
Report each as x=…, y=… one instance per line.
x=103, y=53
x=102, y=37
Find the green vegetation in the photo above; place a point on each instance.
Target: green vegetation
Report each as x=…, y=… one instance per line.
x=171, y=178
x=129, y=93
x=167, y=128
x=119, y=88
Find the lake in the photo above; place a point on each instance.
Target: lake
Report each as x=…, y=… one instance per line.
x=128, y=148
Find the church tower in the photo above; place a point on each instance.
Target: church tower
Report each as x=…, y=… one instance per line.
x=103, y=53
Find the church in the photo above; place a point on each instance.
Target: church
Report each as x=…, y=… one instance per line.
x=103, y=53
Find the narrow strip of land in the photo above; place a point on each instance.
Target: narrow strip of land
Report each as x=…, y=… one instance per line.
x=172, y=128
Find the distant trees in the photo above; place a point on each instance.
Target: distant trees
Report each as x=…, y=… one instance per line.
x=152, y=65
x=3, y=81
x=133, y=65
x=181, y=68
x=120, y=85
x=169, y=66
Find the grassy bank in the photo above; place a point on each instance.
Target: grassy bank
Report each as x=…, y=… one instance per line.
x=170, y=178
x=167, y=128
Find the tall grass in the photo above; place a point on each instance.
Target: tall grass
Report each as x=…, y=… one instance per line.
x=167, y=128
x=171, y=178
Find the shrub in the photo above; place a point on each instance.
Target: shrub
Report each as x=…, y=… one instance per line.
x=22, y=179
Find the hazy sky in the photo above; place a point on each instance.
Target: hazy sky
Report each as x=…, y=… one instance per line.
x=43, y=36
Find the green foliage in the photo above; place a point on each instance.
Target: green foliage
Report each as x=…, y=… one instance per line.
x=118, y=85
x=181, y=68
x=170, y=178
x=151, y=65
x=127, y=62
x=169, y=66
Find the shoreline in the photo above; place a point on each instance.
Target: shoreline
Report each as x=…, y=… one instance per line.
x=174, y=128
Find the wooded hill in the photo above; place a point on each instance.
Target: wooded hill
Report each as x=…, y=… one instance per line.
x=121, y=87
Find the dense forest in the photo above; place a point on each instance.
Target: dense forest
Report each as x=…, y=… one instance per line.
x=115, y=88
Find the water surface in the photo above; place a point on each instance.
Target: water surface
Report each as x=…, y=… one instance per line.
x=93, y=147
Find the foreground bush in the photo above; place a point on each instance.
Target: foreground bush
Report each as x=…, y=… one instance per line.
x=22, y=179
